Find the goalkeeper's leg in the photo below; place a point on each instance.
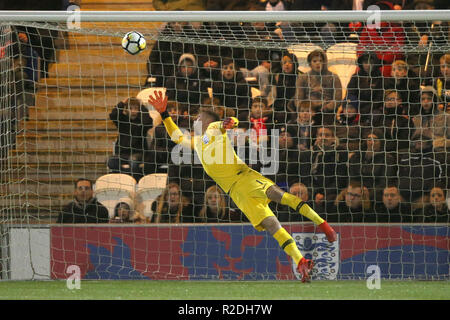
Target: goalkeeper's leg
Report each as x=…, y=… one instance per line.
x=274, y=193
x=287, y=243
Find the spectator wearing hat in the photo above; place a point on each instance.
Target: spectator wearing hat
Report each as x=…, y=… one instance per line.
x=186, y=85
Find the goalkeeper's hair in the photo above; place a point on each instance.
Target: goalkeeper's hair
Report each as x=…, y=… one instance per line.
x=211, y=115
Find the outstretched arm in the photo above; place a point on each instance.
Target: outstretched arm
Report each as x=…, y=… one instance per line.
x=160, y=104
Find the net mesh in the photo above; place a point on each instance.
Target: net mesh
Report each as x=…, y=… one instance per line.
x=356, y=137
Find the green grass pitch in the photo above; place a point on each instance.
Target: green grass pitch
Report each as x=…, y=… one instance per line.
x=224, y=290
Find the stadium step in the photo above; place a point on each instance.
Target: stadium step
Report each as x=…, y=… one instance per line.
x=65, y=140
x=50, y=97
x=48, y=185
x=91, y=82
x=103, y=69
x=69, y=134
x=54, y=201
x=21, y=156
x=101, y=54
x=69, y=113
x=68, y=125
x=36, y=170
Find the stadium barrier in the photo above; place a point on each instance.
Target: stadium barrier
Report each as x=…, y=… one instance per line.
x=227, y=252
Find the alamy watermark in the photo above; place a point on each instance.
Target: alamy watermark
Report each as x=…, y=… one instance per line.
x=374, y=280
x=374, y=20
x=74, y=19
x=74, y=280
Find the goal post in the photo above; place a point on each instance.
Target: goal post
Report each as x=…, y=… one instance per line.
x=330, y=134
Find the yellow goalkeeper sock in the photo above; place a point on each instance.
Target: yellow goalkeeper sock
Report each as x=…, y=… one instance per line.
x=288, y=244
x=303, y=208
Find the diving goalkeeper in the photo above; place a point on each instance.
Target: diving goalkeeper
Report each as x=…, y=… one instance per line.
x=250, y=191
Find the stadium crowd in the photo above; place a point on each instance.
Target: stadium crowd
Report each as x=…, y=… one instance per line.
x=375, y=151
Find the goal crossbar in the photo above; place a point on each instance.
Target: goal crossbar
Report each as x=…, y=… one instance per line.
x=224, y=16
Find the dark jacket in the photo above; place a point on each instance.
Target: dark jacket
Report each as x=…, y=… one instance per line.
x=324, y=170
x=229, y=216
x=367, y=88
x=398, y=130
x=409, y=90
x=343, y=213
x=233, y=93
x=373, y=171
x=187, y=214
x=132, y=133
x=92, y=212
x=401, y=213
x=430, y=214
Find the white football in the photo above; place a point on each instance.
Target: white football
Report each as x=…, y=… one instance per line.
x=133, y=42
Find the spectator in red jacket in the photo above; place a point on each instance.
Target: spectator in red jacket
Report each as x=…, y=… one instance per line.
x=387, y=40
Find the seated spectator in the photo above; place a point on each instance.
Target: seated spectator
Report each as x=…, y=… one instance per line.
x=215, y=208
x=441, y=137
x=393, y=207
x=125, y=212
x=133, y=122
x=386, y=41
x=424, y=120
x=186, y=86
x=418, y=169
x=164, y=55
x=437, y=210
x=172, y=206
x=261, y=118
x=287, y=156
x=442, y=83
x=262, y=72
x=371, y=164
x=306, y=121
x=348, y=128
x=366, y=84
x=323, y=168
x=285, y=213
x=231, y=89
x=84, y=208
x=320, y=86
x=398, y=127
x=353, y=204
x=406, y=85
x=285, y=87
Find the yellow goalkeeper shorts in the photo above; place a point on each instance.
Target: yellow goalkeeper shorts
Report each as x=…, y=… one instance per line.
x=249, y=194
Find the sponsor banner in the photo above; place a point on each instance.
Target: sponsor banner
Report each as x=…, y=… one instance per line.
x=239, y=252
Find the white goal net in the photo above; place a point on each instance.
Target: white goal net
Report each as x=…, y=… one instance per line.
x=348, y=111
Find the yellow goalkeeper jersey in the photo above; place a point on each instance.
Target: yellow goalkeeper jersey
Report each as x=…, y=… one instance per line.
x=214, y=150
